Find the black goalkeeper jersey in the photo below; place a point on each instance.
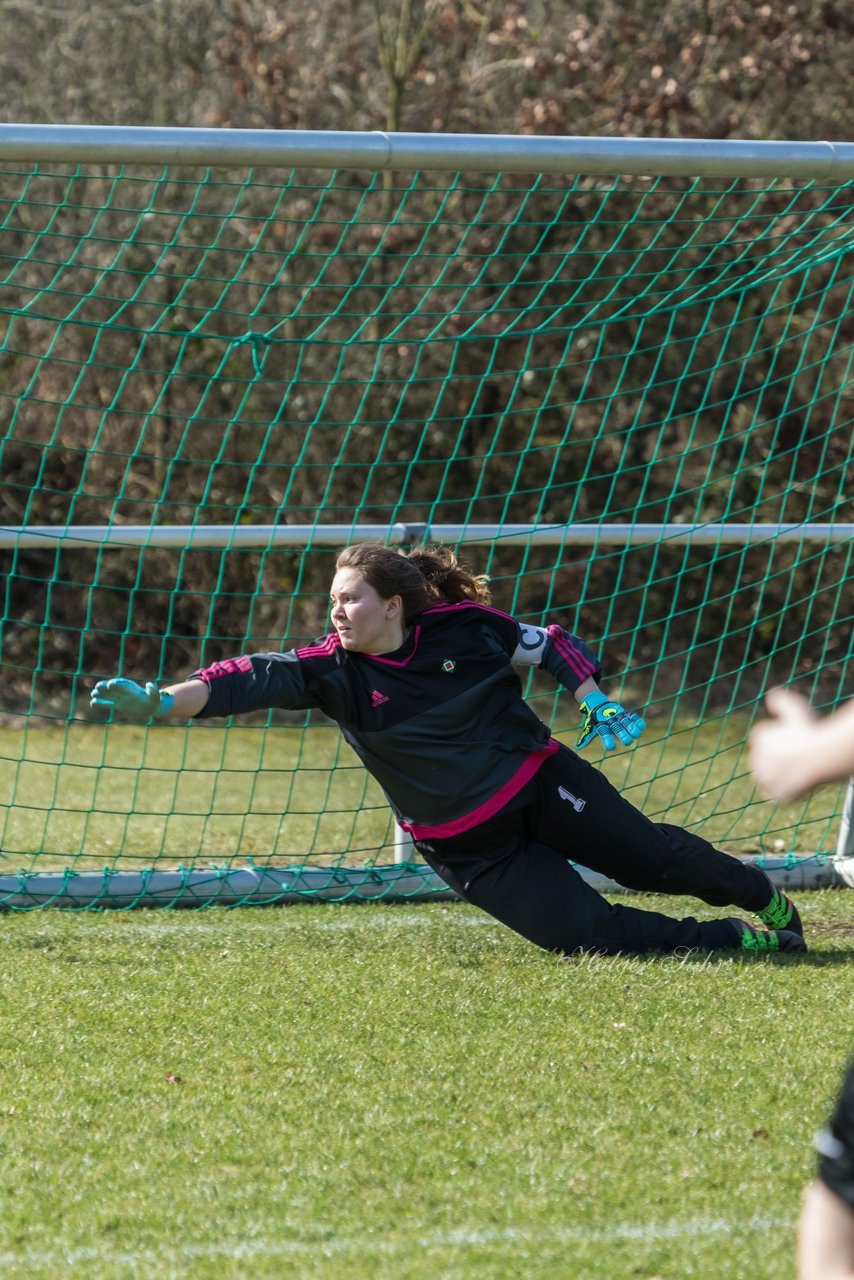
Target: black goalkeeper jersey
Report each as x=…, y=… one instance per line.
x=440, y=723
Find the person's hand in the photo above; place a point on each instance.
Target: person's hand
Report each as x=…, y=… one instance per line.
x=785, y=751
x=609, y=720
x=130, y=699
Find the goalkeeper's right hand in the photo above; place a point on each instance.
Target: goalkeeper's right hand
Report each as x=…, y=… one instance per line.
x=130, y=699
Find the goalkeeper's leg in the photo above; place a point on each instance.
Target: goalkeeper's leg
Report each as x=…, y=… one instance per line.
x=537, y=893
x=503, y=868
x=609, y=835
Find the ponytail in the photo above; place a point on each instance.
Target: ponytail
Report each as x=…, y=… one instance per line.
x=446, y=579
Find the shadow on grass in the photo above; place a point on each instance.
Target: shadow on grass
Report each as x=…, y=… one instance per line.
x=822, y=959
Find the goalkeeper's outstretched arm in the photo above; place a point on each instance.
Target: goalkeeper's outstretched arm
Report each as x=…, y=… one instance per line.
x=148, y=702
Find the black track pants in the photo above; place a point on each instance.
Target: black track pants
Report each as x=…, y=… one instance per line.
x=515, y=866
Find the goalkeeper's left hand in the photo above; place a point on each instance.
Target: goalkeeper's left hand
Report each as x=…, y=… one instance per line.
x=609, y=720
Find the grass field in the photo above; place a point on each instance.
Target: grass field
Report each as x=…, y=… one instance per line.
x=405, y=1092
x=388, y=1091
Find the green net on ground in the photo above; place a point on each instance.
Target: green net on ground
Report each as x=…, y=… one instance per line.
x=188, y=355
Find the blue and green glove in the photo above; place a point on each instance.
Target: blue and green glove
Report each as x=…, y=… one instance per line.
x=609, y=720
x=130, y=699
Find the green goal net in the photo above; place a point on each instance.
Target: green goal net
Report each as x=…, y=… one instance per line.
x=629, y=400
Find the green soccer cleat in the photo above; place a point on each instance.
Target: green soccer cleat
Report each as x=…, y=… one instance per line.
x=781, y=913
x=768, y=941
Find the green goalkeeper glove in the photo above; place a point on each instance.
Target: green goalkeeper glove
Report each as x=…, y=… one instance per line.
x=131, y=699
x=608, y=719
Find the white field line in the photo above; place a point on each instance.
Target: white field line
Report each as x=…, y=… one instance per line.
x=60, y=1261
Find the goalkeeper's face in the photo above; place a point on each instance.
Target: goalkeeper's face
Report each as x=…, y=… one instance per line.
x=365, y=622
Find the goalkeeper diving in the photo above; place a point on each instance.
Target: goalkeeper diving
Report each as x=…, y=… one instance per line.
x=420, y=673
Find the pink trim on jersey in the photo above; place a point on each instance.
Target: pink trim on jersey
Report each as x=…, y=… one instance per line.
x=489, y=807
x=227, y=667
x=396, y=662
x=567, y=650
x=322, y=650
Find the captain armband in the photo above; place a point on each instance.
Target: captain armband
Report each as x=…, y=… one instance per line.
x=531, y=647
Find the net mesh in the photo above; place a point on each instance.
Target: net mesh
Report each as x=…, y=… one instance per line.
x=207, y=347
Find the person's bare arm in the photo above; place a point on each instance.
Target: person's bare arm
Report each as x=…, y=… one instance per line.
x=825, y=1236
x=190, y=697
x=797, y=750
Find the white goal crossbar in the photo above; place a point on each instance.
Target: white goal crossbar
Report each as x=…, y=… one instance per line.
x=473, y=153
x=262, y=536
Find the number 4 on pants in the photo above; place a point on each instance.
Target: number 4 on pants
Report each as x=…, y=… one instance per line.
x=576, y=801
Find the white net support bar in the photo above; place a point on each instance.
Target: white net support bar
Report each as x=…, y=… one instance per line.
x=405, y=882
x=484, y=153
x=845, y=846
x=261, y=536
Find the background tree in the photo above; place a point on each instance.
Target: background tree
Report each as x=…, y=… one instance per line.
x=180, y=396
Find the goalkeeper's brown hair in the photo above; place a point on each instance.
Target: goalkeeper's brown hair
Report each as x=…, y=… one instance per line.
x=428, y=575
